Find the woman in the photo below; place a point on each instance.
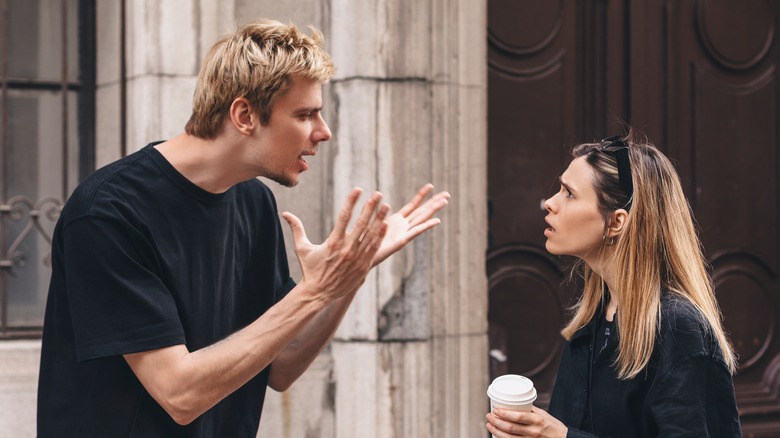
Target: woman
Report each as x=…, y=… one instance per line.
x=646, y=353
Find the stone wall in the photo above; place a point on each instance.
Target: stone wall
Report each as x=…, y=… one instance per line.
x=408, y=106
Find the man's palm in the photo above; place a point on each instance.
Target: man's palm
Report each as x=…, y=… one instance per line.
x=410, y=221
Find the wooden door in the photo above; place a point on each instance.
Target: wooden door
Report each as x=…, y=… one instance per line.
x=699, y=78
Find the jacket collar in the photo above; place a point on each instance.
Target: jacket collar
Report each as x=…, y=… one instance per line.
x=589, y=328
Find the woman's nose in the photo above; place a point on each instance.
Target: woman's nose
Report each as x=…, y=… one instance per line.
x=547, y=204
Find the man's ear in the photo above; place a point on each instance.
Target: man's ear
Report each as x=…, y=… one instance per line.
x=242, y=117
x=615, y=227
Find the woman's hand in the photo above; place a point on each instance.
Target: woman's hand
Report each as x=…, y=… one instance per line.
x=504, y=423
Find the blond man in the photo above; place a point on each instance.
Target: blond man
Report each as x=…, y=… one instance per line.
x=171, y=307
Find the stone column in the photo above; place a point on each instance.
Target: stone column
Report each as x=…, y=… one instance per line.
x=410, y=358
x=166, y=42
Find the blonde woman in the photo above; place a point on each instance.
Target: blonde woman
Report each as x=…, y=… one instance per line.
x=646, y=354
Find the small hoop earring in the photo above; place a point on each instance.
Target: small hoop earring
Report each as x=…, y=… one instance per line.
x=611, y=241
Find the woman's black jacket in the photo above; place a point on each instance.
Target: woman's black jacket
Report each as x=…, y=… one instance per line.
x=686, y=389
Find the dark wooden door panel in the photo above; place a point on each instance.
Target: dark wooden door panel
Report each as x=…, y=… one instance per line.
x=532, y=91
x=722, y=123
x=699, y=77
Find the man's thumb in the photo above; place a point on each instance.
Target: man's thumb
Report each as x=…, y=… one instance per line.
x=296, y=226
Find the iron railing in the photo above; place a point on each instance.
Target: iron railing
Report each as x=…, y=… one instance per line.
x=22, y=216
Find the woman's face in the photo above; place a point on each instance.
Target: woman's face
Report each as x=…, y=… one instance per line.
x=576, y=225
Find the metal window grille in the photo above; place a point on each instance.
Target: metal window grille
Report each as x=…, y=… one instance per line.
x=47, y=114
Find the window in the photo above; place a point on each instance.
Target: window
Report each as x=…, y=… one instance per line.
x=47, y=66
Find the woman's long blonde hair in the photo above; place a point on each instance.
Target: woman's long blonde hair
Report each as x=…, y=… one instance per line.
x=657, y=250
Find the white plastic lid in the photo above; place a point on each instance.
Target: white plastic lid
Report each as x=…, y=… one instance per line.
x=512, y=389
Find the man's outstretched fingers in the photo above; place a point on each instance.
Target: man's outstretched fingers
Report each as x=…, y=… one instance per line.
x=431, y=207
x=346, y=213
x=366, y=215
x=418, y=198
x=425, y=226
x=374, y=234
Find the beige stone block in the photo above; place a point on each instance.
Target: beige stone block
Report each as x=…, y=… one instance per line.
x=355, y=39
x=382, y=389
x=178, y=43
x=459, y=42
x=107, y=40
x=460, y=300
x=307, y=408
x=108, y=146
x=19, y=362
x=354, y=141
x=161, y=37
x=472, y=47
x=385, y=40
x=216, y=19
x=143, y=112
x=175, y=103
x=300, y=13
x=459, y=379
x=157, y=108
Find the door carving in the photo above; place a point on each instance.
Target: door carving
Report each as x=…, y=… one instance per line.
x=699, y=77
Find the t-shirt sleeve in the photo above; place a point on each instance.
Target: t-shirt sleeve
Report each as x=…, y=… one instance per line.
x=284, y=289
x=118, y=302
x=282, y=267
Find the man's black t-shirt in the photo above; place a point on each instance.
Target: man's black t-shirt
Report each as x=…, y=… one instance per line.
x=143, y=259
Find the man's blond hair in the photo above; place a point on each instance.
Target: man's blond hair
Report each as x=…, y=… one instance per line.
x=256, y=62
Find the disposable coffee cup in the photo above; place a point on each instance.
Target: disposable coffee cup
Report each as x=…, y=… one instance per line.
x=513, y=392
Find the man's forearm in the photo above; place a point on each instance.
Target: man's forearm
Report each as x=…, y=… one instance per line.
x=308, y=343
x=186, y=384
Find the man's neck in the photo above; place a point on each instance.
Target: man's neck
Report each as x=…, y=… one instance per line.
x=209, y=164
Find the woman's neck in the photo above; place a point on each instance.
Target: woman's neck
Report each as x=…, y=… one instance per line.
x=606, y=272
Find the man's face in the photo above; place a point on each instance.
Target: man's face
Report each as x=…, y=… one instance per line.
x=295, y=128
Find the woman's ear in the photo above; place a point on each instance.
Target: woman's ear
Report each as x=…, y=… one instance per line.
x=242, y=117
x=615, y=227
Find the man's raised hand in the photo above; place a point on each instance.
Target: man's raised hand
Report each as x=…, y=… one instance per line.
x=410, y=221
x=339, y=265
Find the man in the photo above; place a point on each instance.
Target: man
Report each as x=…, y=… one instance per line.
x=171, y=307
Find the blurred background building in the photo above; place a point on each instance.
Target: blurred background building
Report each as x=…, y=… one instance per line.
x=482, y=98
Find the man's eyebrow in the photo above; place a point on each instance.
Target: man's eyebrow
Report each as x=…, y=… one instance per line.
x=308, y=109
